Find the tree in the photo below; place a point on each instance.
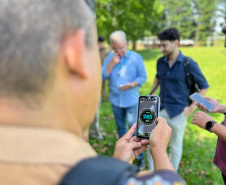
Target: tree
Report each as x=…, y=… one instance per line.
x=204, y=16
x=193, y=18
x=133, y=17
x=222, y=9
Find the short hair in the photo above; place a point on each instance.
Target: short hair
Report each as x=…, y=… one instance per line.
x=100, y=39
x=118, y=36
x=170, y=34
x=31, y=34
x=224, y=28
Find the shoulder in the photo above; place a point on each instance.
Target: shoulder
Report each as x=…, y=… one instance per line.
x=192, y=62
x=135, y=58
x=135, y=54
x=160, y=60
x=99, y=172
x=158, y=177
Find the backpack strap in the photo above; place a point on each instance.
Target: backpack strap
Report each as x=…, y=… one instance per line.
x=186, y=69
x=99, y=170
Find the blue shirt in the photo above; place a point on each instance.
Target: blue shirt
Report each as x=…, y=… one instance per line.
x=174, y=91
x=130, y=68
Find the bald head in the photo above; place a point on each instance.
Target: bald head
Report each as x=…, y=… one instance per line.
x=31, y=34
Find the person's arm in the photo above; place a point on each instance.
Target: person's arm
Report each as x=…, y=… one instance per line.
x=219, y=130
x=191, y=108
x=202, y=83
x=114, y=61
x=129, y=146
x=200, y=119
x=218, y=107
x=159, y=139
x=141, y=77
x=154, y=86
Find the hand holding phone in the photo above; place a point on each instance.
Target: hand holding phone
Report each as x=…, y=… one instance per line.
x=201, y=100
x=147, y=114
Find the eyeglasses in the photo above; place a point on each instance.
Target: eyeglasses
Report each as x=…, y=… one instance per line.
x=119, y=49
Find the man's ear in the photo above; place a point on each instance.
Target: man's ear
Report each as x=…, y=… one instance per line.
x=74, y=50
x=177, y=43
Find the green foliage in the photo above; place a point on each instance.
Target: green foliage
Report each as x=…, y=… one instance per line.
x=193, y=18
x=196, y=166
x=133, y=17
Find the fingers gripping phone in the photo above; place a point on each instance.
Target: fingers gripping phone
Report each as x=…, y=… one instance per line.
x=199, y=99
x=147, y=114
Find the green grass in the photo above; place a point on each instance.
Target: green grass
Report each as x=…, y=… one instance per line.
x=196, y=166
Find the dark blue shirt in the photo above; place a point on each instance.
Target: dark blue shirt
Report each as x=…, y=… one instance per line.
x=174, y=91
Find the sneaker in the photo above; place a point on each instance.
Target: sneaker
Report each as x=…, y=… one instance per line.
x=140, y=163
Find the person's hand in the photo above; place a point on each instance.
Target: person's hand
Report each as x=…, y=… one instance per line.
x=160, y=135
x=115, y=59
x=201, y=118
x=211, y=100
x=128, y=147
x=126, y=86
x=187, y=111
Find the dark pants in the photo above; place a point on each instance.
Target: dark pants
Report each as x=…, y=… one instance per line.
x=122, y=115
x=224, y=178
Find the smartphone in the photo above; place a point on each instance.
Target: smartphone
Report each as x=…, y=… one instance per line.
x=199, y=99
x=147, y=114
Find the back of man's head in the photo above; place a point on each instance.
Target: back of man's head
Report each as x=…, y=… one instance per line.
x=31, y=34
x=170, y=34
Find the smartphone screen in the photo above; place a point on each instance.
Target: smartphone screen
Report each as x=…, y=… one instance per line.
x=148, y=110
x=199, y=99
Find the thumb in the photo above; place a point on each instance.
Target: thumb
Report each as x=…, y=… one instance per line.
x=140, y=150
x=134, y=145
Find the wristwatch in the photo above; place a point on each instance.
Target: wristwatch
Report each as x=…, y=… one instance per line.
x=224, y=113
x=210, y=124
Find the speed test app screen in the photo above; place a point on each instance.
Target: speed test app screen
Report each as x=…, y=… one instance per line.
x=147, y=115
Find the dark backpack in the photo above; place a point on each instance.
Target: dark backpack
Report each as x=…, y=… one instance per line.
x=192, y=86
x=99, y=170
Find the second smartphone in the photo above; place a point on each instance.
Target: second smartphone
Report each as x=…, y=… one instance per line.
x=147, y=114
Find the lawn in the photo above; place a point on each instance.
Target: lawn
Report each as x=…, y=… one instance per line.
x=196, y=166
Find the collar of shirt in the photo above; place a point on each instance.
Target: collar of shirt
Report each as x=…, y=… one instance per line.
x=180, y=58
x=127, y=54
x=33, y=145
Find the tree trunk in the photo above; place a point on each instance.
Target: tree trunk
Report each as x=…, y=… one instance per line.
x=134, y=45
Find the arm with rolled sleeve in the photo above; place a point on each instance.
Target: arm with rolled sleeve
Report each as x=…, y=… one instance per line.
x=198, y=76
x=105, y=76
x=200, y=80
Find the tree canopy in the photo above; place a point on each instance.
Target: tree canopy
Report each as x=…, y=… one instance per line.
x=195, y=19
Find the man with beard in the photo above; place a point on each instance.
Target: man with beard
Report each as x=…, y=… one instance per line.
x=174, y=90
